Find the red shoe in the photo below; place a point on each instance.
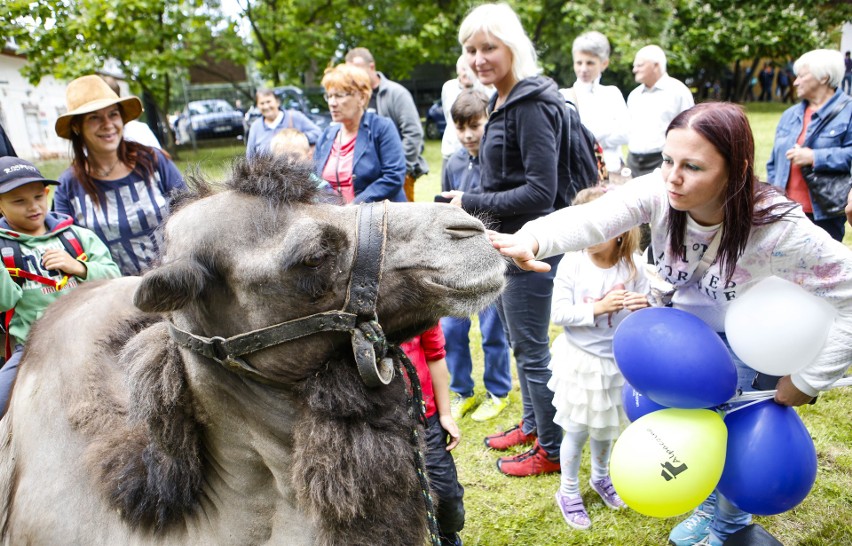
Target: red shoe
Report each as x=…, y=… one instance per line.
x=510, y=438
x=530, y=463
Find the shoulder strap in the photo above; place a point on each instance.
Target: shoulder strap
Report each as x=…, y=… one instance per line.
x=841, y=104
x=72, y=245
x=13, y=260
x=709, y=255
x=570, y=96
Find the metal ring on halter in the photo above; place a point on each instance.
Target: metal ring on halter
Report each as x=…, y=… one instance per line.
x=375, y=370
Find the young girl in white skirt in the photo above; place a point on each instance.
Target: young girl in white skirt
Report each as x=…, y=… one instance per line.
x=594, y=290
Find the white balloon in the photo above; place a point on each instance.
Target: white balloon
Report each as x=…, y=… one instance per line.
x=777, y=327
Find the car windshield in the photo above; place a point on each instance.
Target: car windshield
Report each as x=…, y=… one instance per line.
x=315, y=101
x=209, y=107
x=289, y=100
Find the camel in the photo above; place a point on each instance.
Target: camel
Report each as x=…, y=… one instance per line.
x=123, y=430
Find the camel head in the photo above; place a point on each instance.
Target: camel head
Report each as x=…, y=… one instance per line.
x=266, y=250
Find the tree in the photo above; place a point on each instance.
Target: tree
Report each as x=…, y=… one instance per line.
x=629, y=25
x=714, y=33
x=294, y=40
x=153, y=42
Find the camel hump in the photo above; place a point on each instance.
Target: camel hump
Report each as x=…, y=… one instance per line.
x=70, y=375
x=93, y=316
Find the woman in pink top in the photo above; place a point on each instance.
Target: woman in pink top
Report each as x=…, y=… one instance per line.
x=360, y=155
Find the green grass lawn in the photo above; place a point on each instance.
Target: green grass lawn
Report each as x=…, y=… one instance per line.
x=503, y=510
x=212, y=161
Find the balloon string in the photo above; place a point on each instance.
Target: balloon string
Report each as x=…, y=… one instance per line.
x=754, y=397
x=729, y=411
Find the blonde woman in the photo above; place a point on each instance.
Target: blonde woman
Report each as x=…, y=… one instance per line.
x=522, y=157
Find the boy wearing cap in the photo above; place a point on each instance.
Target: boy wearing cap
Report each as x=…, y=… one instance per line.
x=38, y=268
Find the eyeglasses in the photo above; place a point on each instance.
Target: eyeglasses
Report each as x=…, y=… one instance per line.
x=335, y=96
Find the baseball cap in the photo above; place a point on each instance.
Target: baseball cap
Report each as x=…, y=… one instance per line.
x=15, y=172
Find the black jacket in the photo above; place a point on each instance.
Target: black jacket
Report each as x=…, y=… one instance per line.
x=533, y=156
x=5, y=145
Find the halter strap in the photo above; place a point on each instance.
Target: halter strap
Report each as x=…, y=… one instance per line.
x=227, y=351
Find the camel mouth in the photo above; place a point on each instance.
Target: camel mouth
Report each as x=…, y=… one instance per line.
x=484, y=286
x=476, y=286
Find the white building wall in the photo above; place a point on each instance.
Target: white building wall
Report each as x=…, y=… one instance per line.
x=846, y=38
x=28, y=113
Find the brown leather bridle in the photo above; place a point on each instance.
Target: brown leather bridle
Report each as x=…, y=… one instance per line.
x=358, y=316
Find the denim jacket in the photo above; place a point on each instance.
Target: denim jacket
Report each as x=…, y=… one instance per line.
x=832, y=148
x=378, y=166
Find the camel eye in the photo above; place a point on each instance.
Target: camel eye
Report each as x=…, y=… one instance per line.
x=314, y=261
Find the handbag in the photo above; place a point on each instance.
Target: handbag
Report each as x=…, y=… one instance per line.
x=829, y=189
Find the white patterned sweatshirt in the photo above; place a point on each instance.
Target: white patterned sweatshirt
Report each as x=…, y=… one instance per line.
x=792, y=248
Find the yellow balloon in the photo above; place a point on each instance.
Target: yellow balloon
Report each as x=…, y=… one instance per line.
x=667, y=462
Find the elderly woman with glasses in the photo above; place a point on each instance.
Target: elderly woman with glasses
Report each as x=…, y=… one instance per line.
x=360, y=155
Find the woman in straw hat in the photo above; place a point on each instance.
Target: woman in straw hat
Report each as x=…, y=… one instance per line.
x=117, y=188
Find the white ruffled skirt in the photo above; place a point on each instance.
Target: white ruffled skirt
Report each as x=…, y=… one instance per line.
x=587, y=390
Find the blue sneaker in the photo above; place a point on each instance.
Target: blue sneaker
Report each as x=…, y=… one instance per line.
x=709, y=540
x=692, y=530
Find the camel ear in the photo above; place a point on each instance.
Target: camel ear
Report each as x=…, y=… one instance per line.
x=171, y=286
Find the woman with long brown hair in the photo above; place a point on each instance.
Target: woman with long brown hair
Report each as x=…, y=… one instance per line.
x=117, y=188
x=717, y=231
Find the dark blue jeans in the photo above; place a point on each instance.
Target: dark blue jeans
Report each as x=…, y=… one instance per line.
x=449, y=493
x=498, y=374
x=727, y=518
x=7, y=378
x=525, y=310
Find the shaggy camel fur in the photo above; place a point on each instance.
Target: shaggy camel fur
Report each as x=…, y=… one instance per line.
x=116, y=435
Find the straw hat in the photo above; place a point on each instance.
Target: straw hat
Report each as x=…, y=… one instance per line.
x=91, y=93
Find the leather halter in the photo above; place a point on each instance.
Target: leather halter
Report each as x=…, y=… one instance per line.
x=358, y=316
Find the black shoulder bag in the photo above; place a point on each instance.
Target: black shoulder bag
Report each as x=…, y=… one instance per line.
x=828, y=189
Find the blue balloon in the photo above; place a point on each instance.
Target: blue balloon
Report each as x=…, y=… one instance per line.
x=636, y=404
x=674, y=358
x=771, y=462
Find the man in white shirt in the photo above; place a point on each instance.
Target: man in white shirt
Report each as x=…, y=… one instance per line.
x=465, y=79
x=449, y=93
x=652, y=106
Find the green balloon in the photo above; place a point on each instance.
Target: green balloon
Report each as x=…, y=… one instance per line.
x=667, y=462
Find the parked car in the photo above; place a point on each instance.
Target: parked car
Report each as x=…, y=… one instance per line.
x=211, y=118
x=293, y=98
x=435, y=121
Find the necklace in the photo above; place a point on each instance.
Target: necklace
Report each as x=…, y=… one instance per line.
x=106, y=172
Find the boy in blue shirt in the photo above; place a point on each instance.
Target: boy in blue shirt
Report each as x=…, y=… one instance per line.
x=44, y=255
x=469, y=113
